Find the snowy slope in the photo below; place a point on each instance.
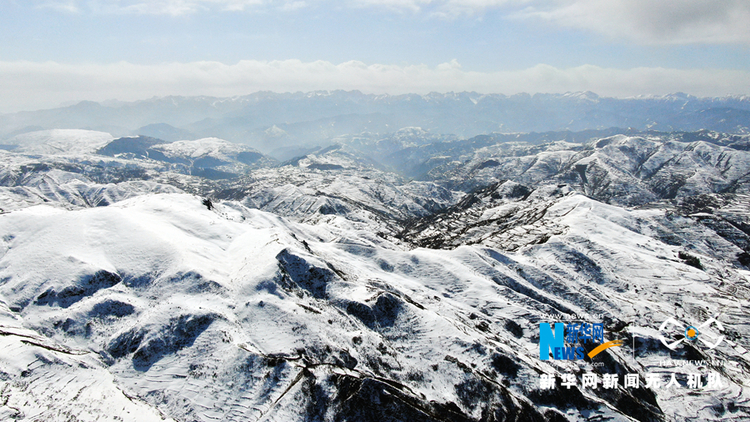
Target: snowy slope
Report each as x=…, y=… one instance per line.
x=342, y=197
x=211, y=147
x=74, y=181
x=196, y=156
x=60, y=141
x=236, y=314
x=45, y=380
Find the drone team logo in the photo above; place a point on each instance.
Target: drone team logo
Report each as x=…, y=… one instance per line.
x=690, y=333
x=565, y=342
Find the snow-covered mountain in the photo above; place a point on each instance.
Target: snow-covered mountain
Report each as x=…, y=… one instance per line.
x=331, y=287
x=628, y=170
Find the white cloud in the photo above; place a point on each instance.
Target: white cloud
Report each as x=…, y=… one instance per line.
x=643, y=21
x=476, y=7
x=410, y=5
x=171, y=7
x=443, y=8
x=651, y=21
x=32, y=85
x=293, y=5
x=179, y=7
x=63, y=6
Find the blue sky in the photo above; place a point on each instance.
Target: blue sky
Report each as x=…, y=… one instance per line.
x=56, y=51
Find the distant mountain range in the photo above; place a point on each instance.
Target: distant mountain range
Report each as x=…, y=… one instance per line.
x=277, y=123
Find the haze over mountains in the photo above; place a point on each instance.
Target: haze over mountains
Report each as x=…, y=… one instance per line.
x=279, y=123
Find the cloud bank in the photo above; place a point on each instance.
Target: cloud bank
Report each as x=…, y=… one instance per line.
x=32, y=85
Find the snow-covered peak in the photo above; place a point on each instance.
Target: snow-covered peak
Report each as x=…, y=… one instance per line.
x=583, y=96
x=212, y=147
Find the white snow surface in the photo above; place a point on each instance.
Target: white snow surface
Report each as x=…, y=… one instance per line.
x=206, y=147
x=213, y=315
x=61, y=141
